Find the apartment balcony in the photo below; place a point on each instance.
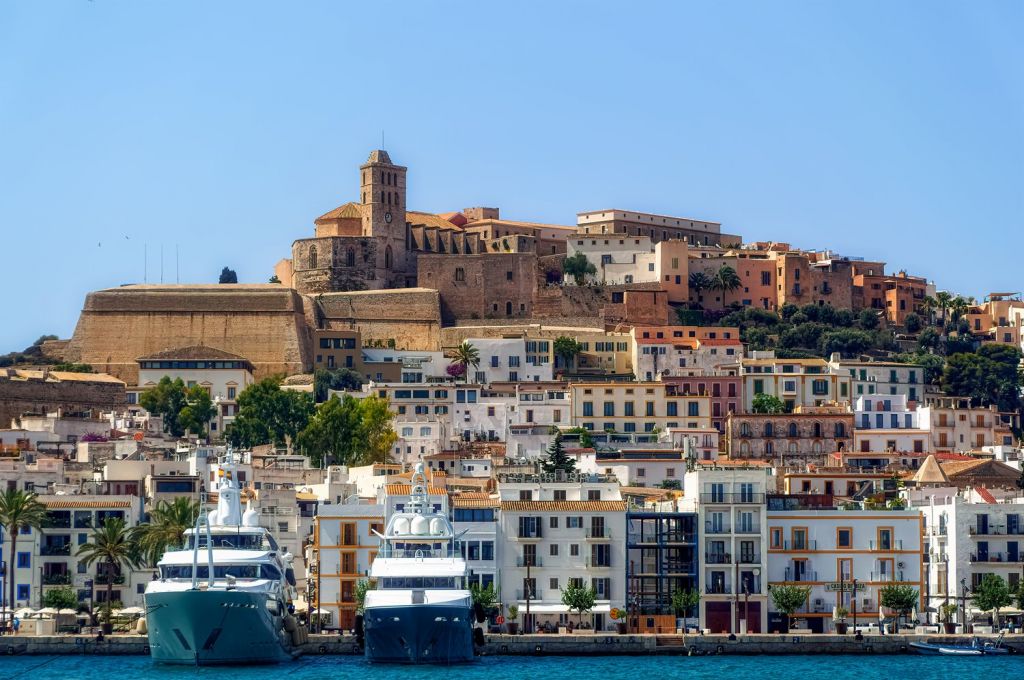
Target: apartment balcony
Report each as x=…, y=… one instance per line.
x=891, y=546
x=598, y=564
x=794, y=576
x=103, y=579
x=599, y=534
x=886, y=577
x=529, y=562
x=709, y=528
x=718, y=589
x=57, y=523
x=798, y=546
x=55, y=550
x=998, y=557
x=717, y=558
x=527, y=536
x=750, y=558
x=57, y=579
x=996, y=530
x=535, y=594
x=732, y=498
x=747, y=529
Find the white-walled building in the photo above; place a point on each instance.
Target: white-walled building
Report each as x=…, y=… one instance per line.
x=882, y=378
x=505, y=360
x=969, y=535
x=417, y=366
x=827, y=549
x=795, y=382
x=730, y=504
x=476, y=514
x=556, y=530
x=622, y=260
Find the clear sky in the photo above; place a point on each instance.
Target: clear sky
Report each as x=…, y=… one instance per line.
x=886, y=130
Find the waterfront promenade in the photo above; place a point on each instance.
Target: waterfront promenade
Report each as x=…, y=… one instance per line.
x=547, y=645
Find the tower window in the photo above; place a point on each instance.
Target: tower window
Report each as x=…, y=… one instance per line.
x=312, y=257
x=350, y=257
x=387, y=257
x=460, y=274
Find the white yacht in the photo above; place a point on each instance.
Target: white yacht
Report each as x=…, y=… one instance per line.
x=420, y=610
x=225, y=598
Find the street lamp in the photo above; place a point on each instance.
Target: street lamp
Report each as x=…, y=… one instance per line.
x=3, y=596
x=89, y=585
x=963, y=601
x=853, y=602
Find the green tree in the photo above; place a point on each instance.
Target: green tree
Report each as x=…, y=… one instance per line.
x=942, y=301
x=699, y=281
x=167, y=399
x=767, y=403
x=19, y=511
x=466, y=355
x=349, y=431
x=912, y=322
x=845, y=341
x=899, y=598
x=929, y=340
x=726, y=279
x=228, y=276
x=578, y=598
x=197, y=412
x=685, y=601
x=72, y=368
x=60, y=598
x=274, y=279
x=868, y=319
x=485, y=596
x=567, y=349
x=991, y=375
x=578, y=267
x=337, y=379
x=111, y=545
x=268, y=414
x=958, y=307
x=363, y=586
x=557, y=458
x=165, y=529
x=788, y=599
x=992, y=594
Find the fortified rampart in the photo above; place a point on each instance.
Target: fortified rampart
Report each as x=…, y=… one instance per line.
x=265, y=323
x=44, y=391
x=410, y=317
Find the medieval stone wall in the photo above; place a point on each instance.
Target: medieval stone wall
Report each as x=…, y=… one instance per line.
x=20, y=395
x=409, y=316
x=264, y=323
x=496, y=285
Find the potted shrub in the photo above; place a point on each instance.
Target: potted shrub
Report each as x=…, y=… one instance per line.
x=512, y=624
x=619, y=616
x=946, y=614
x=839, y=619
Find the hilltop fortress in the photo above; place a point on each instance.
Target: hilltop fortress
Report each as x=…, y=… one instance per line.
x=398, y=276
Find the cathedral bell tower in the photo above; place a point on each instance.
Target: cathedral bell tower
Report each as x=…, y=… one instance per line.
x=382, y=194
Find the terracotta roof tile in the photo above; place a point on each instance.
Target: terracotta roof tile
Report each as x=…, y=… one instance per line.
x=61, y=503
x=406, y=489
x=474, y=503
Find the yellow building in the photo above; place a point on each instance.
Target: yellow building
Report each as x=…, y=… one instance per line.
x=344, y=545
x=636, y=407
x=795, y=382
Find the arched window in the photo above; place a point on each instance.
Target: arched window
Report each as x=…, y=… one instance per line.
x=817, y=447
x=389, y=197
x=387, y=257
x=769, y=430
x=792, y=447
x=817, y=429
x=508, y=309
x=840, y=430
x=350, y=257
x=312, y=257
x=744, y=429
x=744, y=448
x=792, y=430
x=382, y=196
x=769, y=448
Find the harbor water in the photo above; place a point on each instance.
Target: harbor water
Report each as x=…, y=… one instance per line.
x=563, y=668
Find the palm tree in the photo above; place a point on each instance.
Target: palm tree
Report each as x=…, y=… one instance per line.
x=942, y=300
x=113, y=546
x=166, y=528
x=699, y=281
x=726, y=279
x=19, y=510
x=466, y=355
x=928, y=305
x=959, y=307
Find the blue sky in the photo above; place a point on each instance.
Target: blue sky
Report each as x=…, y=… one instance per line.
x=887, y=130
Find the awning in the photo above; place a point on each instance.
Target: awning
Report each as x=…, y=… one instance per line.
x=542, y=608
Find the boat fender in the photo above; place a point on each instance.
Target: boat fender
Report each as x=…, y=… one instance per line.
x=296, y=637
x=142, y=627
x=289, y=574
x=289, y=624
x=10, y=651
x=720, y=650
x=145, y=650
x=478, y=637
x=478, y=609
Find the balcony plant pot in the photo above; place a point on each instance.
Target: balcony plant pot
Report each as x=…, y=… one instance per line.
x=107, y=628
x=842, y=627
x=512, y=627
x=949, y=627
x=621, y=627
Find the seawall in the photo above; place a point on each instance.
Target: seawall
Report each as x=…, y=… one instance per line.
x=547, y=645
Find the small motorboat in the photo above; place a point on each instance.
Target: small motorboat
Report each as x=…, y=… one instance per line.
x=976, y=647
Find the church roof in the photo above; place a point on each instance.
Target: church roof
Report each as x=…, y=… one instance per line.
x=417, y=219
x=980, y=472
x=931, y=472
x=193, y=353
x=379, y=156
x=350, y=211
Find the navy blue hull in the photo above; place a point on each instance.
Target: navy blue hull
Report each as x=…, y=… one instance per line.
x=429, y=634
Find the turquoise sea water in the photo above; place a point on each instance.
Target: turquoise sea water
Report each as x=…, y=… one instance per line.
x=528, y=668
